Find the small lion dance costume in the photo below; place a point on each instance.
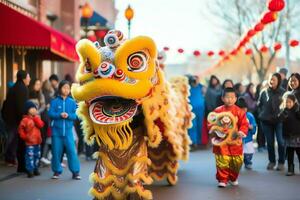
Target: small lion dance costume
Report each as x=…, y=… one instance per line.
x=138, y=119
x=226, y=124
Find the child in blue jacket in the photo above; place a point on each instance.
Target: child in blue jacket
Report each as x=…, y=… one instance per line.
x=62, y=115
x=248, y=146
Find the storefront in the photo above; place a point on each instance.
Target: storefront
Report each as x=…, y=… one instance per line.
x=25, y=43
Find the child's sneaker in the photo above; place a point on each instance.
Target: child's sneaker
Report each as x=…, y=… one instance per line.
x=222, y=185
x=45, y=161
x=55, y=175
x=234, y=183
x=76, y=176
x=248, y=167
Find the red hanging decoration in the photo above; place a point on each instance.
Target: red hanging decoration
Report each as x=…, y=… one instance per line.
x=264, y=49
x=276, y=5
x=166, y=48
x=196, y=53
x=210, y=53
x=259, y=27
x=277, y=46
x=221, y=53
x=233, y=52
x=269, y=17
x=251, y=33
x=294, y=43
x=249, y=52
x=180, y=50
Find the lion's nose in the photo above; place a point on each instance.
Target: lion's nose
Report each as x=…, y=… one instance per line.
x=105, y=70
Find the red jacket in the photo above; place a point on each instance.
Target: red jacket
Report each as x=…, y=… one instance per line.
x=29, y=129
x=243, y=126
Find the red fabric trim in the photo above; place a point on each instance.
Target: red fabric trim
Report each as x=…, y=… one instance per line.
x=23, y=31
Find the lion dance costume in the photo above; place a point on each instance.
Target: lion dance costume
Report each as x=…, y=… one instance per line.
x=227, y=124
x=138, y=119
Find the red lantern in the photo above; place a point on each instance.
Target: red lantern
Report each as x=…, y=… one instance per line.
x=276, y=5
x=233, y=52
x=210, y=53
x=166, y=48
x=294, y=43
x=196, y=53
x=264, y=49
x=277, y=46
x=226, y=58
x=259, y=27
x=101, y=33
x=248, y=52
x=180, y=50
x=251, y=33
x=221, y=53
x=269, y=17
x=93, y=38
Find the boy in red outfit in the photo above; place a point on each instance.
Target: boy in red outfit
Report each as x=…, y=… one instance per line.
x=229, y=124
x=29, y=130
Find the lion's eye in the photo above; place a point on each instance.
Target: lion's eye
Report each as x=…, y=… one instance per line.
x=137, y=62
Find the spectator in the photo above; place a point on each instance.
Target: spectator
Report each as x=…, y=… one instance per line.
x=294, y=85
x=250, y=99
x=268, y=103
x=12, y=111
x=62, y=113
x=54, y=83
x=212, y=93
x=290, y=116
x=260, y=137
x=240, y=89
x=283, y=73
x=36, y=95
x=248, y=146
x=29, y=131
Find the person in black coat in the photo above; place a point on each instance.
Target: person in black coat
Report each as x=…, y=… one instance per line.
x=269, y=107
x=294, y=85
x=290, y=116
x=12, y=112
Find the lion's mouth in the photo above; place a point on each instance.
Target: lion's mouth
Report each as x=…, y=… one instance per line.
x=218, y=137
x=112, y=110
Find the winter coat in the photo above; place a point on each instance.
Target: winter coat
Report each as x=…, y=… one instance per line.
x=251, y=132
x=29, y=129
x=13, y=106
x=268, y=104
x=251, y=102
x=211, y=98
x=58, y=106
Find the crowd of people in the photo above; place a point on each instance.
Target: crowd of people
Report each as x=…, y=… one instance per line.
x=41, y=125
x=40, y=116
x=272, y=109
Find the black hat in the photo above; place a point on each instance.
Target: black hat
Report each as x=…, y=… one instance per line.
x=53, y=77
x=28, y=105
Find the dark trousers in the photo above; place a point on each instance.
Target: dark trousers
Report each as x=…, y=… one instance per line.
x=290, y=154
x=32, y=157
x=271, y=131
x=11, y=145
x=21, y=151
x=260, y=138
x=248, y=158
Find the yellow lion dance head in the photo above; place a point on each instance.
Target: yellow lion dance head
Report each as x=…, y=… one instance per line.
x=223, y=128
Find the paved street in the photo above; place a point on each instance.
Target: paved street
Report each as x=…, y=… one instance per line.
x=196, y=181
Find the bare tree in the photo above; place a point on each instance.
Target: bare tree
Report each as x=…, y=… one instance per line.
x=238, y=16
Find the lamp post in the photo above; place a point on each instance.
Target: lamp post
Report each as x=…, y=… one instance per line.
x=86, y=13
x=129, y=13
